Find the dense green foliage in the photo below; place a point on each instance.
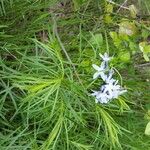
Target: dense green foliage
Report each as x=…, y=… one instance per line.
x=47, y=49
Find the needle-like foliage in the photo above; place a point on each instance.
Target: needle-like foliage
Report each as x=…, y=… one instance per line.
x=47, y=49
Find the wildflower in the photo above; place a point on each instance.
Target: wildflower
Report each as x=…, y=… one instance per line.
x=113, y=90
x=110, y=89
x=100, y=97
x=105, y=57
x=100, y=71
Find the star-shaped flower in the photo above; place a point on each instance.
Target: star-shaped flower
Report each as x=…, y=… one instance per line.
x=110, y=89
x=100, y=71
x=105, y=57
x=100, y=97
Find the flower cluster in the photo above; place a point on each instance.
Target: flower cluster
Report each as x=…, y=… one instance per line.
x=110, y=89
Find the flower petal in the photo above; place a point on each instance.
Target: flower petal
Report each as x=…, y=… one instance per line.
x=121, y=92
x=96, y=67
x=96, y=75
x=105, y=57
x=103, y=76
x=104, y=100
x=101, y=56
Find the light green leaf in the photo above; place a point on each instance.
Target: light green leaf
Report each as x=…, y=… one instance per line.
x=108, y=18
x=124, y=56
x=127, y=28
x=146, y=57
x=147, y=129
x=116, y=39
x=85, y=63
x=145, y=48
x=109, y=8
x=142, y=45
x=96, y=39
x=133, y=11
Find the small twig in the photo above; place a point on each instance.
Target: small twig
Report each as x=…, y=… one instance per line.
x=122, y=5
x=142, y=65
x=110, y=1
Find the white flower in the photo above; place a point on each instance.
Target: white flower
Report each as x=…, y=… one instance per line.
x=100, y=97
x=111, y=86
x=104, y=66
x=110, y=89
x=100, y=71
x=108, y=92
x=105, y=57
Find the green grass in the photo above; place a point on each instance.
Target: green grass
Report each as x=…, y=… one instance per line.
x=46, y=56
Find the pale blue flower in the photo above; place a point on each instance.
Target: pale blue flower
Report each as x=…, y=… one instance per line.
x=100, y=72
x=110, y=89
x=113, y=90
x=100, y=97
x=105, y=57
